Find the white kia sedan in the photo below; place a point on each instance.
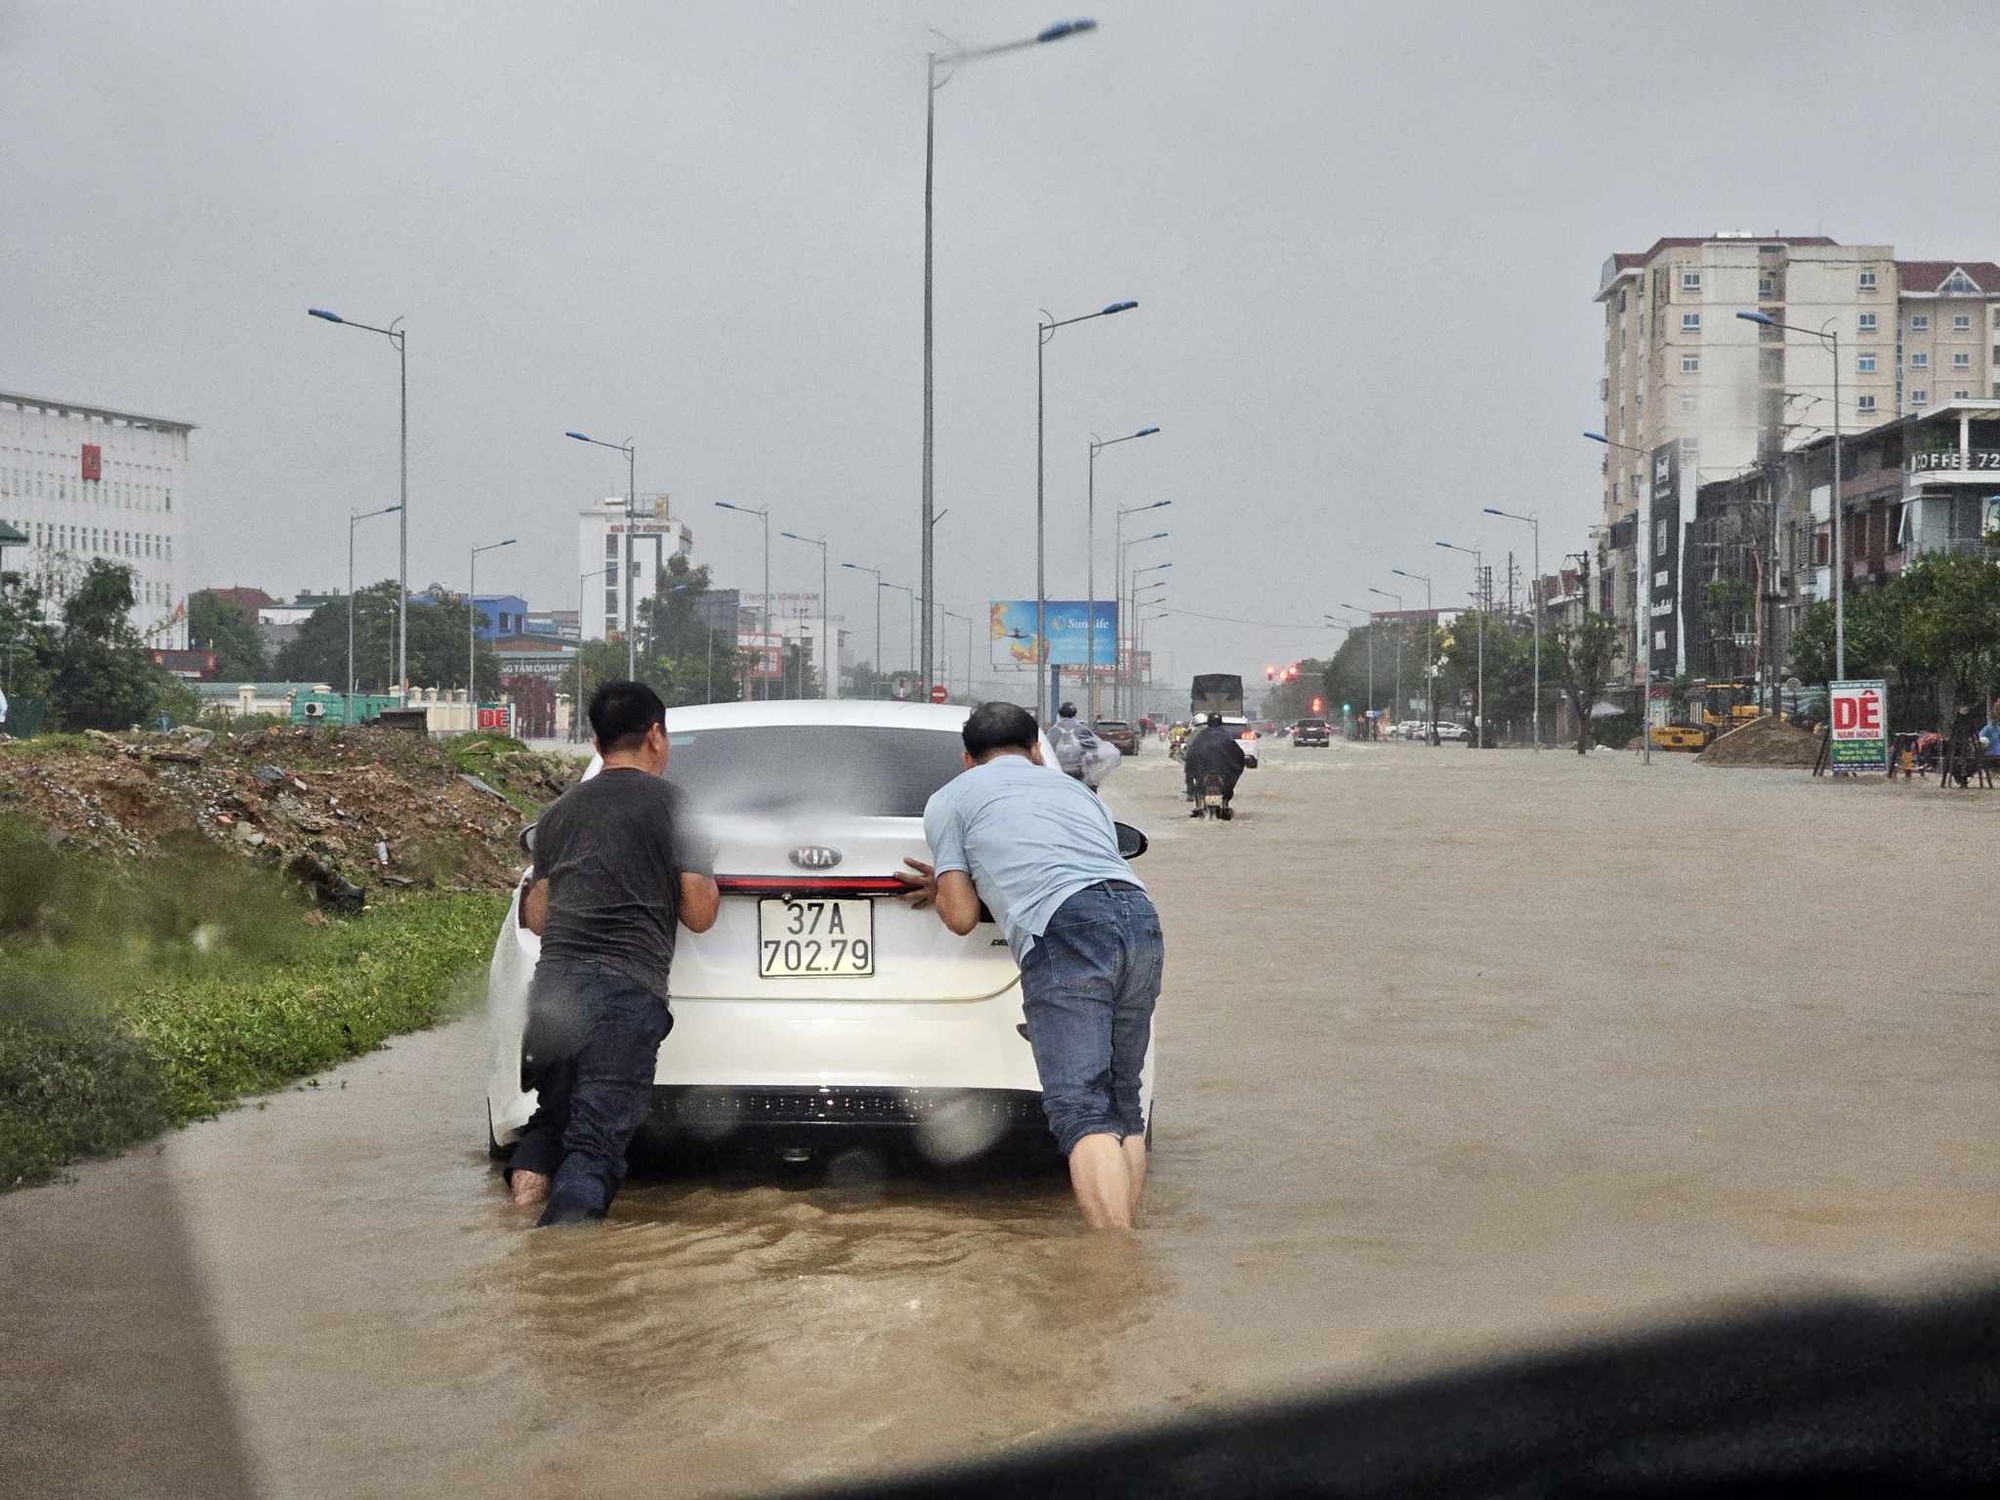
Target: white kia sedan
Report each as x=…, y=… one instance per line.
x=819, y=1005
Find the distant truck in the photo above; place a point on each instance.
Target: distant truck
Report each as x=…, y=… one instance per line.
x=1222, y=693
x=1217, y=693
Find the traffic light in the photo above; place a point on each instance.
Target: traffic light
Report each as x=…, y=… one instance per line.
x=1347, y=708
x=1319, y=705
x=1270, y=674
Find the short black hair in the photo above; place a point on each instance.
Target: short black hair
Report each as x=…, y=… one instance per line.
x=998, y=726
x=621, y=713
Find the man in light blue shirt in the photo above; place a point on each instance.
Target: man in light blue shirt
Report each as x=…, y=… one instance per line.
x=1041, y=850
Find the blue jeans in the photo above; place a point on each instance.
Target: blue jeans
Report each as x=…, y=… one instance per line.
x=592, y=1044
x=1088, y=987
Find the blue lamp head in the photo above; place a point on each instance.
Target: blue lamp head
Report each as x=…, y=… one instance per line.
x=1118, y=307
x=1759, y=317
x=1598, y=437
x=1145, y=432
x=581, y=437
x=1061, y=29
x=320, y=312
x=1490, y=511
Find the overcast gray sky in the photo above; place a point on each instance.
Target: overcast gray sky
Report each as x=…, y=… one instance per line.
x=1364, y=239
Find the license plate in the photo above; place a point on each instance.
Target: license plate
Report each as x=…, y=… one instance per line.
x=813, y=938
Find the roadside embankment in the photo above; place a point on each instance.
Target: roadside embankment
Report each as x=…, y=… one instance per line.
x=140, y=994
x=335, y=809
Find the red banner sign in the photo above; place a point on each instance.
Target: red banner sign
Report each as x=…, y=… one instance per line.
x=93, y=461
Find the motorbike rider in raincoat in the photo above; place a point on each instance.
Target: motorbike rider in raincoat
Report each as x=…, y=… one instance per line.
x=1214, y=751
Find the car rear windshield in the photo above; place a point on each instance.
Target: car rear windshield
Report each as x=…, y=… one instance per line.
x=780, y=767
x=1312, y=723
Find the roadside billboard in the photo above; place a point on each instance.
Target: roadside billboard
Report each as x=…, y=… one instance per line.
x=1012, y=633
x=763, y=655
x=1858, y=712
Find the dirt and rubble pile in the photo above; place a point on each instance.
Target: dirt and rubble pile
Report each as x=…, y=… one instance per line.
x=1768, y=741
x=325, y=805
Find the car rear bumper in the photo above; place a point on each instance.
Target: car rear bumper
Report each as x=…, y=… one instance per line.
x=952, y=1123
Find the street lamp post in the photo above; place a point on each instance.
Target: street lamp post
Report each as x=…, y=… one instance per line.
x=1119, y=626
x=1398, y=600
x=1828, y=334
x=954, y=614
x=472, y=629
x=1642, y=545
x=395, y=334
x=1044, y=331
x=1090, y=552
x=576, y=715
x=1537, y=525
x=950, y=61
x=1128, y=678
x=1430, y=657
x=876, y=573
x=625, y=573
x=1478, y=583
x=762, y=513
x=347, y=715
x=1352, y=610
x=827, y=687
x=905, y=589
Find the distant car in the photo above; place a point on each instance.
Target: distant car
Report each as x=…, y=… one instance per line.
x=1409, y=729
x=819, y=1005
x=1447, y=730
x=1312, y=732
x=1118, y=734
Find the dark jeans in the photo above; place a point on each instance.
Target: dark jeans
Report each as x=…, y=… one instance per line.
x=1088, y=988
x=592, y=1043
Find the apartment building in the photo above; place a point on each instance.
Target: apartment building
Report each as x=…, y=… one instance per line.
x=600, y=544
x=1694, y=394
x=86, y=482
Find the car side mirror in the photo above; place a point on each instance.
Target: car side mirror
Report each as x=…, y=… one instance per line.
x=1131, y=842
x=528, y=841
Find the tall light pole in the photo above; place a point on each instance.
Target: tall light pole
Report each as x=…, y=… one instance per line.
x=1119, y=626
x=347, y=715
x=876, y=573
x=762, y=513
x=1478, y=586
x=950, y=62
x=472, y=628
x=1044, y=331
x=954, y=614
x=1127, y=677
x=906, y=589
x=625, y=574
x=576, y=717
x=1828, y=334
x=1141, y=683
x=394, y=333
x=1090, y=552
x=1642, y=549
x=1530, y=519
x=826, y=683
x=1371, y=660
x=1430, y=657
x=1401, y=709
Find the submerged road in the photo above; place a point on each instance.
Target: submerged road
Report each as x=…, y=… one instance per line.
x=1460, y=1053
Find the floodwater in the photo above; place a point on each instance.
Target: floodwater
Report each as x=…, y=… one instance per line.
x=1460, y=1054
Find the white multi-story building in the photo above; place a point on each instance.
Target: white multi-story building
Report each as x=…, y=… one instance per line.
x=600, y=543
x=86, y=482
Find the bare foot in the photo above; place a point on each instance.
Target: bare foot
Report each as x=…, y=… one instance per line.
x=530, y=1189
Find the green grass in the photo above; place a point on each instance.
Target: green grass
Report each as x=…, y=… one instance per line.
x=137, y=997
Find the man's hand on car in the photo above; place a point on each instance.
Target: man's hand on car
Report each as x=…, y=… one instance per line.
x=922, y=887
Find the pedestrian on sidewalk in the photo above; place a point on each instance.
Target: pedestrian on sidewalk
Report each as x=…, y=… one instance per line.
x=1041, y=850
x=617, y=869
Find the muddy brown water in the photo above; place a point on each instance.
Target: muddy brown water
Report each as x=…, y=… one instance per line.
x=1460, y=1054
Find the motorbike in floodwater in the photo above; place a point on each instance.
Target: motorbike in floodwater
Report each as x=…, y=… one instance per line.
x=1209, y=801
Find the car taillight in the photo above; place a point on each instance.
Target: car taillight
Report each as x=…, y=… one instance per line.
x=810, y=885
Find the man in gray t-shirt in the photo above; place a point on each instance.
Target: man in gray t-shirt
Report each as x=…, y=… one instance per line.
x=617, y=868
x=1042, y=852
